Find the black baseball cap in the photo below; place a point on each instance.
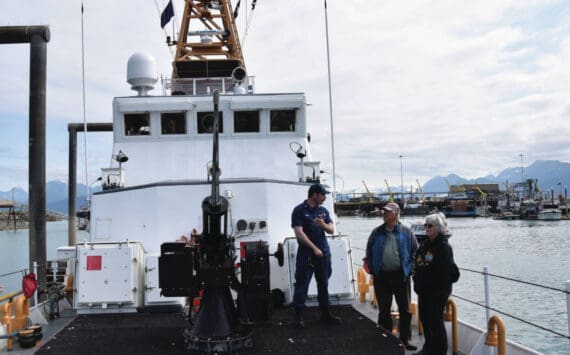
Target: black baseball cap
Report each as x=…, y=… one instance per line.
x=318, y=188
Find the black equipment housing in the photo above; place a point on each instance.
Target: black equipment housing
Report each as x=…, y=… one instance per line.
x=255, y=297
x=177, y=270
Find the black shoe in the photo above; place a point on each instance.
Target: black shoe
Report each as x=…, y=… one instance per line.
x=299, y=323
x=329, y=319
x=421, y=352
x=409, y=346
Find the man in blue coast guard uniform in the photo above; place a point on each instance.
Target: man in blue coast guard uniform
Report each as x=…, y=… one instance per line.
x=310, y=221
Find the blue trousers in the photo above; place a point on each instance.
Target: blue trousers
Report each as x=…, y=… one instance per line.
x=306, y=265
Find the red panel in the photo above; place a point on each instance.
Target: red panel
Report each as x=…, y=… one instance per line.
x=94, y=262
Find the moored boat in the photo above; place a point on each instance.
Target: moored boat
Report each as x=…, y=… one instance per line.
x=161, y=178
x=549, y=214
x=549, y=211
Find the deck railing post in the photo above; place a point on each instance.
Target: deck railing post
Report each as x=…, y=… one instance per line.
x=568, y=304
x=487, y=300
x=487, y=297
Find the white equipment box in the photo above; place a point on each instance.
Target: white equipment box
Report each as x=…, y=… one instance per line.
x=341, y=282
x=109, y=277
x=152, y=292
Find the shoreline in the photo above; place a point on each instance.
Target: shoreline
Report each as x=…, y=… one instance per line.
x=22, y=223
x=19, y=225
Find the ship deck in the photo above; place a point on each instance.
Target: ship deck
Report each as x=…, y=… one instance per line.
x=161, y=333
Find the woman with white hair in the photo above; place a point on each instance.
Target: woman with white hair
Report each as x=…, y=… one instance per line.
x=435, y=272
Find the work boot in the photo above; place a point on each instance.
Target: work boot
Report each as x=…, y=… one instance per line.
x=330, y=319
x=299, y=322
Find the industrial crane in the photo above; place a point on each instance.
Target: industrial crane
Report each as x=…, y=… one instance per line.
x=370, y=196
x=454, y=188
x=483, y=194
x=420, y=190
x=389, y=191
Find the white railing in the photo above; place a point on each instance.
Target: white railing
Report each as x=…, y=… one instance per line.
x=204, y=86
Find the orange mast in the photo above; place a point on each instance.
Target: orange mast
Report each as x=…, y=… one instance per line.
x=208, y=45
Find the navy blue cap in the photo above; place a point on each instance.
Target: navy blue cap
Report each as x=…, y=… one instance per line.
x=318, y=188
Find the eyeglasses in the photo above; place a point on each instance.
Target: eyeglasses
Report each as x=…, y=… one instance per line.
x=428, y=225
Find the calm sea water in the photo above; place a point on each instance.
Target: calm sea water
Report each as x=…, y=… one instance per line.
x=531, y=251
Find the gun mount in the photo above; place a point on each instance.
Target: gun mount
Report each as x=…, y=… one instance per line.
x=205, y=267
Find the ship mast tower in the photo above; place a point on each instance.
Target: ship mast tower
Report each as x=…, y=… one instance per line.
x=208, y=45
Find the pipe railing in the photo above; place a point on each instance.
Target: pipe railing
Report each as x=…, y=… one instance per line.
x=487, y=306
x=10, y=296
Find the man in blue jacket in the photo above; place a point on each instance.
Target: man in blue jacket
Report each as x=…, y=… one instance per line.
x=390, y=258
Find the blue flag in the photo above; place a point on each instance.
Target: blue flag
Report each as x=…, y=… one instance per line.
x=167, y=14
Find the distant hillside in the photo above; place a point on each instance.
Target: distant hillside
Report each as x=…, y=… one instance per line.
x=56, y=196
x=550, y=174
x=19, y=195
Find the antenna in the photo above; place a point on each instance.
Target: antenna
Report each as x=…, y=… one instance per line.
x=87, y=188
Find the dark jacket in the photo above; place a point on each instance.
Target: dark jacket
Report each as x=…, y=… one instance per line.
x=434, y=266
x=407, y=246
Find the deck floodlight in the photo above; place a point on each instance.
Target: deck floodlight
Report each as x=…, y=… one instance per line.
x=121, y=157
x=238, y=74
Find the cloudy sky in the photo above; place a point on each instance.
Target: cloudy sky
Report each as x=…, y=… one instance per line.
x=452, y=86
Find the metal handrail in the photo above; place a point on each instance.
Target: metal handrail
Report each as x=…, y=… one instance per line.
x=489, y=308
x=10, y=296
x=515, y=280
x=14, y=272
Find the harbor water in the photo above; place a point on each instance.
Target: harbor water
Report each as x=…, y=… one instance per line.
x=532, y=251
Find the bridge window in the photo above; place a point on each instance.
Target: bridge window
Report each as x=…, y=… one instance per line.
x=246, y=121
x=282, y=121
x=137, y=124
x=206, y=122
x=173, y=123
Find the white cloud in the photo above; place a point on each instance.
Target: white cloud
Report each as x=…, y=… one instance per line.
x=461, y=87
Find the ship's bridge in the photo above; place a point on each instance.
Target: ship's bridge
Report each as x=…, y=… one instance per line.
x=170, y=137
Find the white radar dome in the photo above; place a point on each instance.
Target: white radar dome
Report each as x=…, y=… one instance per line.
x=141, y=72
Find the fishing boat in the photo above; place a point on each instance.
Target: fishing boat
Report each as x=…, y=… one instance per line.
x=549, y=211
x=416, y=208
x=528, y=209
x=420, y=231
x=194, y=216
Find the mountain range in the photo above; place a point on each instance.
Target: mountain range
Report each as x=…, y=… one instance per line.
x=550, y=174
x=56, y=196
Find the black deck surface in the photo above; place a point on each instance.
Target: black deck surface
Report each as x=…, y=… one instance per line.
x=161, y=333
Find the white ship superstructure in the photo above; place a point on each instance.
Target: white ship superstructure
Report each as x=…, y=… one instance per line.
x=161, y=172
